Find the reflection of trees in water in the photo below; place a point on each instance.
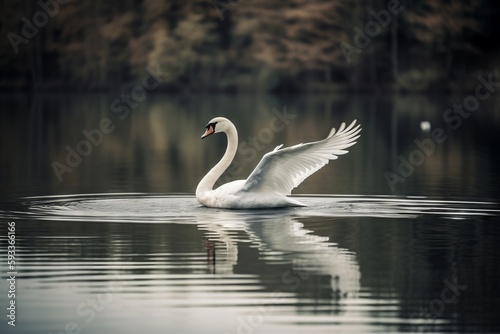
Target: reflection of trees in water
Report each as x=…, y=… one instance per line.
x=157, y=148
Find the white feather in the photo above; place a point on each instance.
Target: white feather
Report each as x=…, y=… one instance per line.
x=282, y=170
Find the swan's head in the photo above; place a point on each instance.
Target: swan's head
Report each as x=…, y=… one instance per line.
x=217, y=124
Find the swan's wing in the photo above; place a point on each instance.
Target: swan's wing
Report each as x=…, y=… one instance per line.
x=284, y=169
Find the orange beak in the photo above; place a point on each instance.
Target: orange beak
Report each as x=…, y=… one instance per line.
x=208, y=132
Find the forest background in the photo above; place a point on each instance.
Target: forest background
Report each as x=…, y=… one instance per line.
x=249, y=45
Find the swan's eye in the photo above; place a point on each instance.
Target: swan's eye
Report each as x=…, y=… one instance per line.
x=211, y=125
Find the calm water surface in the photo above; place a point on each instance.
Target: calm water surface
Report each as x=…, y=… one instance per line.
x=120, y=245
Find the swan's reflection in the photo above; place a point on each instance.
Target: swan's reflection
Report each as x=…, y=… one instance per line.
x=279, y=236
x=280, y=239
x=222, y=249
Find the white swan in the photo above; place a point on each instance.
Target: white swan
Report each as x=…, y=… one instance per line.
x=276, y=174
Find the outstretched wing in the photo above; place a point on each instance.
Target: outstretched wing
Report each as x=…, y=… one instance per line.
x=282, y=170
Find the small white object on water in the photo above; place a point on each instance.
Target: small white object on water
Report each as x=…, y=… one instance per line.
x=425, y=126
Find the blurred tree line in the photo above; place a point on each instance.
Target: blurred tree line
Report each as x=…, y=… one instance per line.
x=251, y=45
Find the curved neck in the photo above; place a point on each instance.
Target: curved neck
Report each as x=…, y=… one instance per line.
x=207, y=183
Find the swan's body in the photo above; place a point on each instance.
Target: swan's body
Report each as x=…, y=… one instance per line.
x=279, y=171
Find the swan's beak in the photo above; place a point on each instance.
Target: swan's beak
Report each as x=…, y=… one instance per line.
x=209, y=131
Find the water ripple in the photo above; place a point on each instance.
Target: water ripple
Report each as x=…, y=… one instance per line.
x=147, y=208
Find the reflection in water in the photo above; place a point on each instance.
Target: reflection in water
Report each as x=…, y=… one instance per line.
x=286, y=239
x=157, y=148
x=283, y=239
x=221, y=243
x=153, y=273
x=186, y=268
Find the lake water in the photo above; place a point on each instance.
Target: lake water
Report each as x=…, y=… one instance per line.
x=117, y=243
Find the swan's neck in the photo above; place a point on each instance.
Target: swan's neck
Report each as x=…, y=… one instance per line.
x=207, y=183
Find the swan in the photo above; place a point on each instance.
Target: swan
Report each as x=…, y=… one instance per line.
x=279, y=171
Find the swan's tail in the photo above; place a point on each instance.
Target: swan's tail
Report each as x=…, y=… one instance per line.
x=294, y=202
